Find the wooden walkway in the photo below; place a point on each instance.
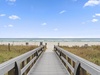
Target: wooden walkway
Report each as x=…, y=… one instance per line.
x=49, y=64
x=57, y=62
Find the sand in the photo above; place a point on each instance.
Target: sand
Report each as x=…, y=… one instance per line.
x=51, y=44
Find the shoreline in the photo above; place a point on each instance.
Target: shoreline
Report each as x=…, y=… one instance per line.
x=49, y=44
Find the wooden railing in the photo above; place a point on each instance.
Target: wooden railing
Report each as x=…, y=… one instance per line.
x=76, y=65
x=21, y=64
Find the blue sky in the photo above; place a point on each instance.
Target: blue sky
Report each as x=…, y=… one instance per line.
x=49, y=18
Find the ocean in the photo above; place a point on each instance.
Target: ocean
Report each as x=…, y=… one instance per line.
x=49, y=39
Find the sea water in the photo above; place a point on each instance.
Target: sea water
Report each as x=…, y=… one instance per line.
x=49, y=39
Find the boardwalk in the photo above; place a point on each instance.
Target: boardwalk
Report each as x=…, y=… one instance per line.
x=49, y=62
x=48, y=65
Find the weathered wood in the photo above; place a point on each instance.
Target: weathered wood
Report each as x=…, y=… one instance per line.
x=77, y=68
x=58, y=44
x=19, y=65
x=67, y=61
x=17, y=69
x=41, y=43
x=8, y=46
x=28, y=60
x=73, y=64
x=27, y=43
x=11, y=72
x=22, y=64
x=83, y=68
x=82, y=72
x=45, y=44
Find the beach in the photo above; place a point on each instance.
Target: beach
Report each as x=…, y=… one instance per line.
x=51, y=41
x=51, y=44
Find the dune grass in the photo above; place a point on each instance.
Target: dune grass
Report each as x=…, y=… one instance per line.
x=16, y=50
x=91, y=53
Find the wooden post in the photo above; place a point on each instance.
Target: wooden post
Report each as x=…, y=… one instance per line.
x=41, y=43
x=58, y=44
x=8, y=46
x=77, y=69
x=55, y=48
x=45, y=44
x=27, y=43
x=17, y=69
x=44, y=48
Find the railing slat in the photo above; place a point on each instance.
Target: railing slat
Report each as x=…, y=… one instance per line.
x=26, y=66
x=90, y=67
x=62, y=64
x=6, y=67
x=72, y=69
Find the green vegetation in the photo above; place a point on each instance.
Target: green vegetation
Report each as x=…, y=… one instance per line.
x=9, y=52
x=91, y=53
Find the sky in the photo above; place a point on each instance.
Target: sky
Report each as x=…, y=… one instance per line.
x=49, y=18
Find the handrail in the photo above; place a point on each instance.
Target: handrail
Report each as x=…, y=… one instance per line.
x=19, y=65
x=75, y=64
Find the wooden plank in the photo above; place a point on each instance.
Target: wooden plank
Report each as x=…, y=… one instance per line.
x=46, y=67
x=26, y=66
x=9, y=65
x=70, y=66
x=91, y=68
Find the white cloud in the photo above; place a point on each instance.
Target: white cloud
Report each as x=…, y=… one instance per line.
x=63, y=11
x=2, y=15
x=11, y=0
x=94, y=20
x=10, y=25
x=14, y=17
x=44, y=24
x=92, y=3
x=56, y=29
x=97, y=14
